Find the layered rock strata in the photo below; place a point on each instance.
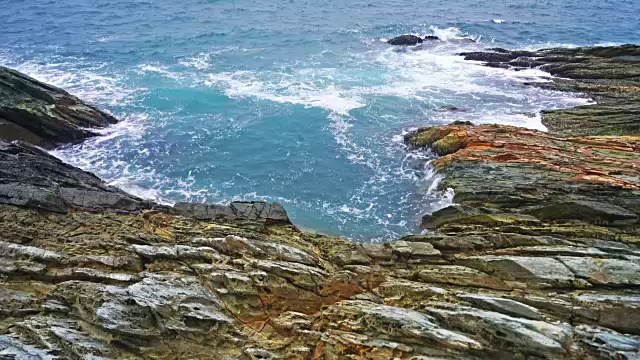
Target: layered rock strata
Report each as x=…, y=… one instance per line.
x=539, y=259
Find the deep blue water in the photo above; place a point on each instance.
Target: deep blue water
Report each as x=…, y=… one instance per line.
x=300, y=102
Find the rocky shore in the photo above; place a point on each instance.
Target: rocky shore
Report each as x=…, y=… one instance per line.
x=538, y=259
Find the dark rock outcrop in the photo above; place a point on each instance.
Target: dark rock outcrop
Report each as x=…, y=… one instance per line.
x=610, y=75
x=405, y=40
x=42, y=114
x=431, y=38
x=32, y=178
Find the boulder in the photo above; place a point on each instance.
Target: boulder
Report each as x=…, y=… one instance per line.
x=405, y=40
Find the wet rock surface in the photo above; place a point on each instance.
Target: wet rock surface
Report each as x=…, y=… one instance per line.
x=538, y=260
x=42, y=114
x=609, y=75
x=406, y=40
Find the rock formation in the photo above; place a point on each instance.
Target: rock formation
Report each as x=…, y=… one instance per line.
x=405, y=40
x=44, y=115
x=539, y=259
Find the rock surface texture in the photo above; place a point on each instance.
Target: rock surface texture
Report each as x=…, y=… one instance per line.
x=539, y=259
x=42, y=114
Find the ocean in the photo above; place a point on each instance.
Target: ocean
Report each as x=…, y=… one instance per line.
x=299, y=102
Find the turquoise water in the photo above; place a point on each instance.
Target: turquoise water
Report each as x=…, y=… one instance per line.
x=300, y=102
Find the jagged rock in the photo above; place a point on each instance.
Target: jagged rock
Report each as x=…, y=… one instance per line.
x=501, y=173
x=460, y=275
x=607, y=344
x=405, y=40
x=490, y=57
x=618, y=312
x=58, y=335
x=529, y=337
x=450, y=213
x=11, y=348
x=405, y=291
x=145, y=310
x=502, y=305
x=235, y=245
x=538, y=271
x=611, y=272
x=609, y=74
x=551, y=251
x=431, y=38
x=35, y=179
x=17, y=303
x=42, y=114
x=394, y=323
x=259, y=211
x=407, y=249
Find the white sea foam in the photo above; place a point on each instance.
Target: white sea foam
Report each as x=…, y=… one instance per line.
x=87, y=81
x=158, y=69
x=106, y=38
x=497, y=21
x=201, y=61
x=285, y=88
x=425, y=77
x=450, y=33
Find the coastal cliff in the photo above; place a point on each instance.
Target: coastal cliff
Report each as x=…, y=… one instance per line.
x=538, y=259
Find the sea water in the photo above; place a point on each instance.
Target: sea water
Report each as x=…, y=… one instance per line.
x=296, y=101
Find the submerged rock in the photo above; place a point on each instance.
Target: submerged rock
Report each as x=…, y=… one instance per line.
x=405, y=40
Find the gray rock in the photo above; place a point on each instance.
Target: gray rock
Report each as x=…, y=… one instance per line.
x=17, y=303
x=611, y=272
x=32, y=178
x=414, y=249
x=14, y=349
x=59, y=335
x=608, y=344
x=618, y=312
x=255, y=211
x=527, y=336
x=395, y=323
x=11, y=250
x=147, y=309
x=448, y=214
x=538, y=272
x=502, y=305
x=591, y=211
x=237, y=246
x=460, y=275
